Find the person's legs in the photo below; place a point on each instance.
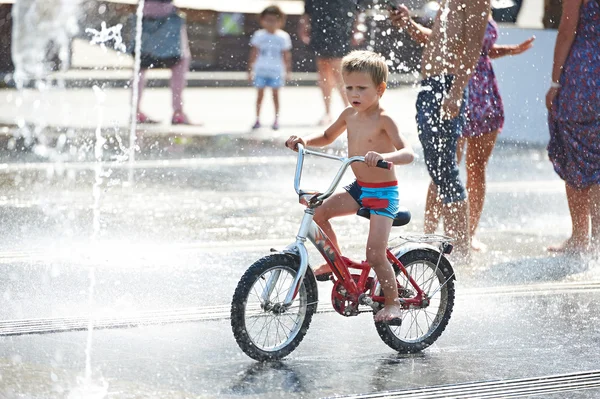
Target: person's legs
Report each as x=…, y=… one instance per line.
x=439, y=139
x=179, y=81
x=140, y=87
x=339, y=204
x=260, y=93
x=276, y=103
x=479, y=150
x=433, y=204
x=439, y=150
x=379, y=232
x=594, y=200
x=433, y=209
x=140, y=116
x=579, y=208
x=326, y=83
x=336, y=67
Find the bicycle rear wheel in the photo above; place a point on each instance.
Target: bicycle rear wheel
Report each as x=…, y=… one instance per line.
x=262, y=327
x=422, y=326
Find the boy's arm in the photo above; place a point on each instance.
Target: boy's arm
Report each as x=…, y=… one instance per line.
x=321, y=139
x=404, y=153
x=330, y=134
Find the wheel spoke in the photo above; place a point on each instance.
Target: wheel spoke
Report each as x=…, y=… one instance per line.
x=268, y=326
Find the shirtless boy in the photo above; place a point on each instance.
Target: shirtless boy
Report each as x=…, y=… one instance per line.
x=373, y=134
x=449, y=58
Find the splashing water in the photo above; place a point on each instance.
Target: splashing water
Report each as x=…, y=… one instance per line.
x=445, y=52
x=42, y=30
x=113, y=34
x=106, y=34
x=135, y=87
x=41, y=36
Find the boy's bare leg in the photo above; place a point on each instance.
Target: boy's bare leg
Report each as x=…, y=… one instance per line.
x=339, y=204
x=379, y=233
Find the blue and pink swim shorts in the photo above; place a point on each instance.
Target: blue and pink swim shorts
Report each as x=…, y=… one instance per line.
x=379, y=198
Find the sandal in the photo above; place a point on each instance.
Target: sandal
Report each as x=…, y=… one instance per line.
x=396, y=321
x=179, y=118
x=323, y=276
x=143, y=118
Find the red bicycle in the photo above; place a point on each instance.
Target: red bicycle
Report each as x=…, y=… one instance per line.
x=275, y=299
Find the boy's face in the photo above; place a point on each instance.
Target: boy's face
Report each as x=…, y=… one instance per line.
x=270, y=22
x=361, y=91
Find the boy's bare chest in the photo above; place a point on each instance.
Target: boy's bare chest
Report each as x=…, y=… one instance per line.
x=364, y=137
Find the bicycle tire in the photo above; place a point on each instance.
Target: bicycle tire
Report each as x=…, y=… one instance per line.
x=247, y=309
x=416, y=262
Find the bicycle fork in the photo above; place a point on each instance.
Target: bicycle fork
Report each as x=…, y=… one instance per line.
x=298, y=249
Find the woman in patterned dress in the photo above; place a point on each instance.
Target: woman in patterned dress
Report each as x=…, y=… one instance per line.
x=573, y=102
x=485, y=118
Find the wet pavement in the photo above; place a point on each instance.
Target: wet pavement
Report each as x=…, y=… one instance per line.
x=172, y=243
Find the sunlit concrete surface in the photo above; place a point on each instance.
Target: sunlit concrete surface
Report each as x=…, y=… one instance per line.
x=174, y=242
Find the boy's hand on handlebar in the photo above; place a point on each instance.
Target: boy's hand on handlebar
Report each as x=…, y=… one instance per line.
x=292, y=142
x=372, y=157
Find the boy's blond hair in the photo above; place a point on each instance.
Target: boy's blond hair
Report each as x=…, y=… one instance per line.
x=368, y=62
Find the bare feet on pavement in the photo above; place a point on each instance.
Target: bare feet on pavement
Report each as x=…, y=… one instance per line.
x=477, y=245
x=572, y=246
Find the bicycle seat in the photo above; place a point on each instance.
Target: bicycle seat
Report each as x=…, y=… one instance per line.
x=402, y=217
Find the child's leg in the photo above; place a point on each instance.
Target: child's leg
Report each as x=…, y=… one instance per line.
x=259, y=99
x=339, y=204
x=379, y=232
x=276, y=101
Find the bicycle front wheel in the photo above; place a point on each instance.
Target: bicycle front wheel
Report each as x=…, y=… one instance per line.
x=263, y=328
x=421, y=326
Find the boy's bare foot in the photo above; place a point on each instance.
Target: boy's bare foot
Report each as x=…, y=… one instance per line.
x=323, y=272
x=477, y=245
x=572, y=246
x=391, y=314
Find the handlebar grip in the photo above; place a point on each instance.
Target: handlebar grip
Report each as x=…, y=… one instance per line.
x=385, y=164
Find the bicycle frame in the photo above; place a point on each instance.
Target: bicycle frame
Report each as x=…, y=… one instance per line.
x=339, y=264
